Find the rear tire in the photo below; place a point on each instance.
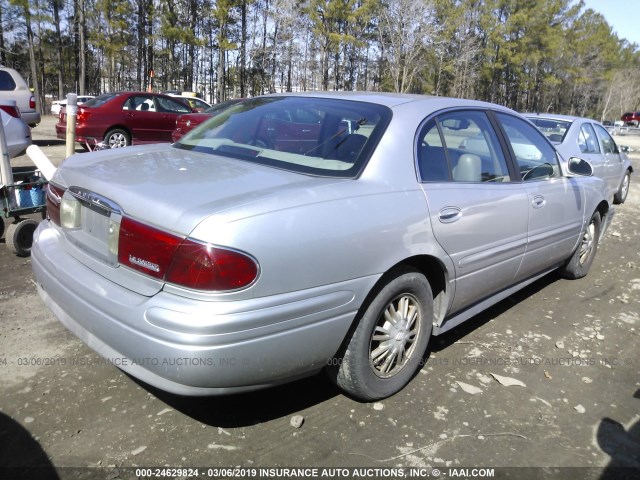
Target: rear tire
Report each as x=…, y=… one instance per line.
x=20, y=236
x=578, y=265
x=621, y=195
x=117, y=138
x=387, y=346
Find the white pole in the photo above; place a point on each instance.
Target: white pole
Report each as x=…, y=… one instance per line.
x=72, y=112
x=42, y=162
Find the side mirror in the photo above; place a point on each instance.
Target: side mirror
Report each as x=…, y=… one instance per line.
x=578, y=166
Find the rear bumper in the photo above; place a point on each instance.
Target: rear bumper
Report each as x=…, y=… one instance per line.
x=31, y=118
x=194, y=347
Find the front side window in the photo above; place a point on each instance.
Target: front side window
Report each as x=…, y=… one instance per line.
x=535, y=157
x=587, y=141
x=317, y=136
x=461, y=147
x=608, y=145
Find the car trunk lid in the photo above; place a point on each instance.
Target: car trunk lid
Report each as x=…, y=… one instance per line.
x=168, y=189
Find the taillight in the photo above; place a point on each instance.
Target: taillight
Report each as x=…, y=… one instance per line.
x=11, y=110
x=183, y=262
x=146, y=248
x=202, y=266
x=54, y=197
x=32, y=102
x=83, y=115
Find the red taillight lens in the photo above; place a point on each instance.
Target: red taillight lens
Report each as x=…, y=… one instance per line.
x=32, y=102
x=205, y=267
x=183, y=262
x=83, y=115
x=146, y=248
x=11, y=110
x=54, y=197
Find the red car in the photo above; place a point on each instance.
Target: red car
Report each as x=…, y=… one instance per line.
x=125, y=118
x=631, y=119
x=186, y=123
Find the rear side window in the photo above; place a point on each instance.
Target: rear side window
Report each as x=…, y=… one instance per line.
x=171, y=106
x=6, y=81
x=461, y=147
x=534, y=155
x=587, y=141
x=141, y=103
x=608, y=145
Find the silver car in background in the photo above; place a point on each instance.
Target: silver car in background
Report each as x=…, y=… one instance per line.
x=585, y=138
x=296, y=233
x=16, y=132
x=13, y=87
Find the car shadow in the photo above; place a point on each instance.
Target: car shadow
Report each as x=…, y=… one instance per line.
x=251, y=408
x=49, y=142
x=623, y=446
x=21, y=456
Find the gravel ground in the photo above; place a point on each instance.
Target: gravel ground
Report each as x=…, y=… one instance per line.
x=547, y=378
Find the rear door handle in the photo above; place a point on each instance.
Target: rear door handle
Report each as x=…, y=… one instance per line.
x=449, y=214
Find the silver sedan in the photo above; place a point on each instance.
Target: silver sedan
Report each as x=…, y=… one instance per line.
x=588, y=139
x=296, y=233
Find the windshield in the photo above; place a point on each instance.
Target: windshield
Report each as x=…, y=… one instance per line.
x=317, y=136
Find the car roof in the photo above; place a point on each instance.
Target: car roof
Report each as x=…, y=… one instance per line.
x=391, y=100
x=554, y=116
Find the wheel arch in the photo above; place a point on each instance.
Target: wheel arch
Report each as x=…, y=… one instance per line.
x=603, y=209
x=436, y=274
x=118, y=127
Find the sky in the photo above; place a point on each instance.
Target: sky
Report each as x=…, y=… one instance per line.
x=622, y=15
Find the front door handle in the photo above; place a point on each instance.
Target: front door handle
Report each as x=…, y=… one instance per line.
x=538, y=201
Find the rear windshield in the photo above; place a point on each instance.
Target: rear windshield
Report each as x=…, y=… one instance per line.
x=316, y=136
x=99, y=100
x=554, y=130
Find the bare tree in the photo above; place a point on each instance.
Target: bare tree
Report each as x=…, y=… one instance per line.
x=405, y=31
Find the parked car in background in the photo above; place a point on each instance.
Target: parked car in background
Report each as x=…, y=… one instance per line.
x=187, y=122
x=57, y=105
x=13, y=87
x=304, y=232
x=588, y=139
x=16, y=131
x=125, y=118
x=631, y=119
x=197, y=104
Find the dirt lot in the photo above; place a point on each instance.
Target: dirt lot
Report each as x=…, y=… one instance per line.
x=573, y=345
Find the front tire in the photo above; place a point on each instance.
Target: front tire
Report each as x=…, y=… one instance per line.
x=387, y=346
x=117, y=138
x=621, y=195
x=578, y=265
